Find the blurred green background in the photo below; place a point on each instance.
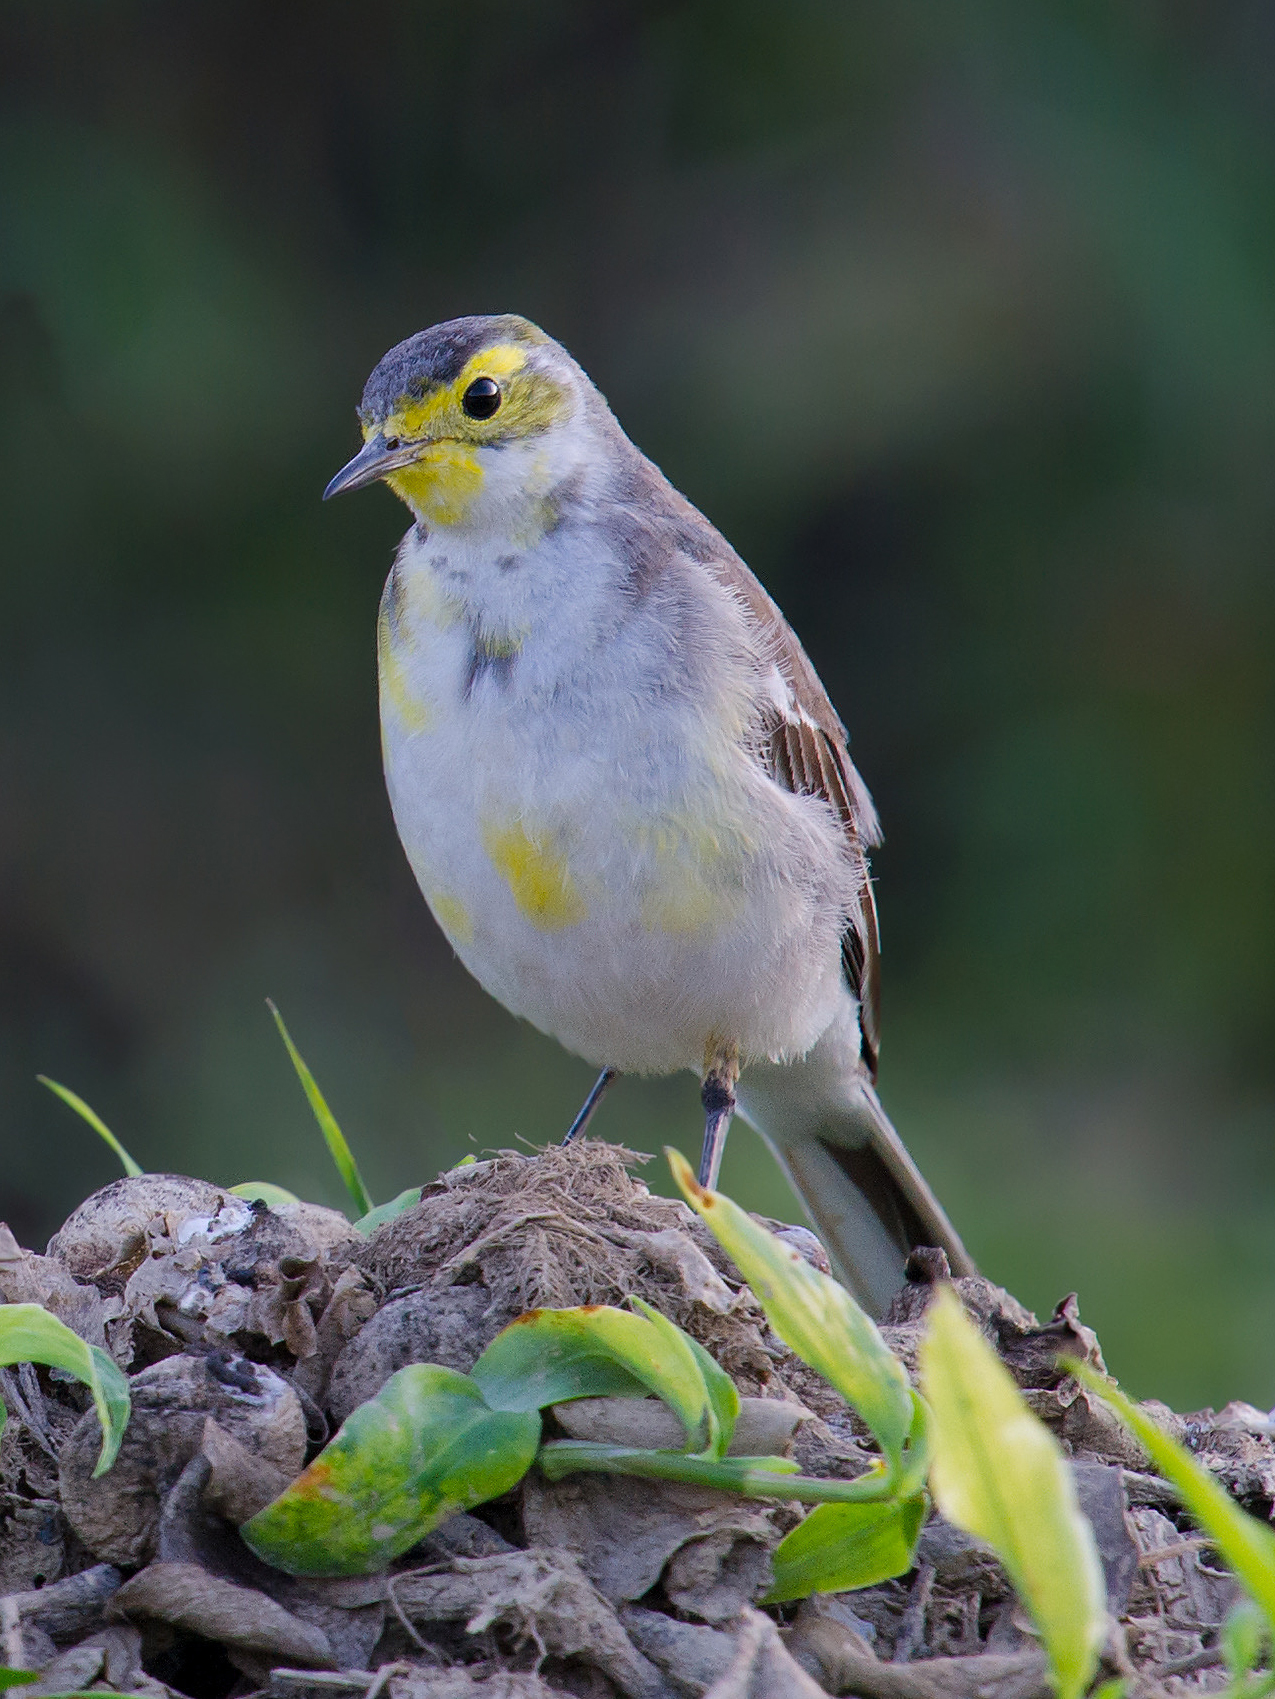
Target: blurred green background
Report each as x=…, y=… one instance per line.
x=958, y=319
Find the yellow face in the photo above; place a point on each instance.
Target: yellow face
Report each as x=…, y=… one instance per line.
x=433, y=443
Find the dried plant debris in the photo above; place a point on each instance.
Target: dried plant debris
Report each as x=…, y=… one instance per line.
x=251, y=1332
x=490, y=1240
x=626, y=1539
x=117, y=1516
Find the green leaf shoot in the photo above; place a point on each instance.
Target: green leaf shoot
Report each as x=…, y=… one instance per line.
x=22, y=1678
x=29, y=1334
x=99, y=1126
x=842, y=1546
x=1114, y=1688
x=342, y=1155
x=1247, y=1544
x=911, y=1477
x=753, y=1477
x=812, y=1313
x=551, y=1356
x=999, y=1474
x=262, y=1191
x=1245, y=1631
x=426, y=1446
x=387, y=1211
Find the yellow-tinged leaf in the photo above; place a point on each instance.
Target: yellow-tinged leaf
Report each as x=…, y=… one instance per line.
x=427, y=1445
x=999, y=1474
x=1247, y=1544
x=812, y=1313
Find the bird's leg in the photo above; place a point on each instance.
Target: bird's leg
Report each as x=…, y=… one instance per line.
x=717, y=1094
x=590, y=1104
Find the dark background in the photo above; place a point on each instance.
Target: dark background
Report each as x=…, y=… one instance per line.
x=958, y=319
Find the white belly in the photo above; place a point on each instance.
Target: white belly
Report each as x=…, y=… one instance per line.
x=606, y=864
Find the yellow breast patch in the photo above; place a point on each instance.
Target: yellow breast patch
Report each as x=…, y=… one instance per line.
x=412, y=710
x=452, y=915
x=537, y=875
x=692, y=875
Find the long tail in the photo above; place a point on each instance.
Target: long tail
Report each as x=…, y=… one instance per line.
x=865, y=1197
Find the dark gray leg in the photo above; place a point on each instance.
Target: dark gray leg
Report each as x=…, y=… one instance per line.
x=718, y=1097
x=590, y=1104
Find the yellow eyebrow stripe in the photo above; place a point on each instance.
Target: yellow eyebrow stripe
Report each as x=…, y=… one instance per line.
x=502, y=361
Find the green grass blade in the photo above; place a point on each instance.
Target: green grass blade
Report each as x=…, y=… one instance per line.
x=1247, y=1544
x=342, y=1155
x=99, y=1126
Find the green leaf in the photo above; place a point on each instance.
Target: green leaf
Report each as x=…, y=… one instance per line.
x=342, y=1155
x=999, y=1474
x=550, y=1356
x=721, y=1394
x=812, y=1313
x=18, y=1678
x=841, y=1546
x=1247, y=1544
x=29, y=1334
x=427, y=1445
x=387, y=1211
x=94, y=1120
x=261, y=1191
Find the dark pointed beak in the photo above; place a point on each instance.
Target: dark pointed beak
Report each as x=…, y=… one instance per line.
x=373, y=461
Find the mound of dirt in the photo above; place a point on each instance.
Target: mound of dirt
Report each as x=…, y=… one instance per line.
x=250, y=1333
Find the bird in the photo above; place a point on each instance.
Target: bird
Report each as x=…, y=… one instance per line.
x=625, y=795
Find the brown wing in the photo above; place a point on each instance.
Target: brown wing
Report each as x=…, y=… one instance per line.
x=806, y=751
x=805, y=758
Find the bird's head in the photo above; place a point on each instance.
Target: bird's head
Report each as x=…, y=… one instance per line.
x=472, y=421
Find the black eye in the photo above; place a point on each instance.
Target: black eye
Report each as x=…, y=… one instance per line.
x=482, y=398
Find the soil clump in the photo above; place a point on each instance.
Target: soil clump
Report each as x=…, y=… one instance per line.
x=250, y=1333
